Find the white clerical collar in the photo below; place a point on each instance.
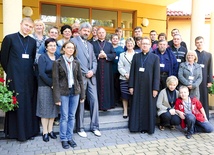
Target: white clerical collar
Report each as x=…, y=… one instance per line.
x=23, y=34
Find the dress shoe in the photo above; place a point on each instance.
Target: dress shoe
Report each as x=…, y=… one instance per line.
x=96, y=133
x=45, y=137
x=161, y=128
x=82, y=134
x=65, y=145
x=31, y=138
x=172, y=127
x=72, y=143
x=125, y=116
x=52, y=135
x=188, y=135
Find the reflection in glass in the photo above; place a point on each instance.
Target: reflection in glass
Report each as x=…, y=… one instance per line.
x=127, y=34
x=104, y=18
x=48, y=13
x=70, y=15
x=126, y=21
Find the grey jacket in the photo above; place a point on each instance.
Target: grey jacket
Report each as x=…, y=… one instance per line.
x=184, y=73
x=163, y=103
x=60, y=79
x=86, y=63
x=124, y=65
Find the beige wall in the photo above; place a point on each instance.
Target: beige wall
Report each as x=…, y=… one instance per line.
x=184, y=27
x=157, y=18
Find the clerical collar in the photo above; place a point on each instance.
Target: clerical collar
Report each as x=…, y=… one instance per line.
x=199, y=50
x=22, y=34
x=101, y=40
x=145, y=53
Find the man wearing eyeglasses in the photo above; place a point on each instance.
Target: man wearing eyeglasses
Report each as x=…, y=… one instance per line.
x=144, y=85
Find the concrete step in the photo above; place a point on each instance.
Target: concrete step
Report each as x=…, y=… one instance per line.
x=111, y=119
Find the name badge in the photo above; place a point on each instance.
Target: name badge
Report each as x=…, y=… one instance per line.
x=25, y=56
x=162, y=65
x=191, y=77
x=202, y=65
x=178, y=60
x=116, y=57
x=141, y=69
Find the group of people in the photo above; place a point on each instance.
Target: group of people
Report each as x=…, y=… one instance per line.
x=62, y=76
x=190, y=73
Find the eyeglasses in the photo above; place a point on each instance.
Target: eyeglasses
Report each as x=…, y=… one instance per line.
x=51, y=45
x=145, y=44
x=72, y=48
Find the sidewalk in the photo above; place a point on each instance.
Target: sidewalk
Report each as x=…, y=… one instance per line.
x=118, y=142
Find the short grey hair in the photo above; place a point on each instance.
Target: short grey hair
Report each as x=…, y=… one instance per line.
x=85, y=25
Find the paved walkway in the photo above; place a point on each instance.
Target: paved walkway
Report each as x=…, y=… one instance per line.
x=118, y=142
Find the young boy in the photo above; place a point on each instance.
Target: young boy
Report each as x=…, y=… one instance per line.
x=192, y=113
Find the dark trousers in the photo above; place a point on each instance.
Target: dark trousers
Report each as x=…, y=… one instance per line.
x=167, y=119
x=163, y=77
x=117, y=92
x=195, y=126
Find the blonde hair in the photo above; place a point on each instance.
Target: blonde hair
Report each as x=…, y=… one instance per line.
x=171, y=79
x=183, y=87
x=196, y=56
x=39, y=21
x=130, y=39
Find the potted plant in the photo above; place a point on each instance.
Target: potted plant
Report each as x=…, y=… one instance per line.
x=211, y=96
x=8, y=100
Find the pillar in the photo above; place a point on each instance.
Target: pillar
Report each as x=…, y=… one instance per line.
x=197, y=21
x=211, y=49
x=12, y=16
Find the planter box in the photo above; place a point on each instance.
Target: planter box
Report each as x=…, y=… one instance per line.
x=2, y=114
x=211, y=102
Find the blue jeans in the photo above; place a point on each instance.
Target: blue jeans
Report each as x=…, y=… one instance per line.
x=195, y=126
x=67, y=119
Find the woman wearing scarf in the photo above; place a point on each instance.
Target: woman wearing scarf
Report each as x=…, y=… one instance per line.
x=67, y=89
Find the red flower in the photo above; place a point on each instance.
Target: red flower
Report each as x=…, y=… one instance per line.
x=2, y=80
x=14, y=100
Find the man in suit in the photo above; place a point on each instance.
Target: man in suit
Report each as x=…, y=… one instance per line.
x=88, y=65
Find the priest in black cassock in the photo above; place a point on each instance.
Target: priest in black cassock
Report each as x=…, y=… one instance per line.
x=17, y=58
x=144, y=85
x=205, y=60
x=105, y=55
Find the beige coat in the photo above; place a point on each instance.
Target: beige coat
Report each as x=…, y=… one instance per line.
x=162, y=102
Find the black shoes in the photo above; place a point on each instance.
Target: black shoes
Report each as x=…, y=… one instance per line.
x=45, y=137
x=72, y=143
x=52, y=135
x=65, y=145
x=188, y=135
x=125, y=116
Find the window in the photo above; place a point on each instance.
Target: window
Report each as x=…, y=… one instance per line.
x=48, y=14
x=58, y=15
x=70, y=15
x=104, y=18
x=126, y=23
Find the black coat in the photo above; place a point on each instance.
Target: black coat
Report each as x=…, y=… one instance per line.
x=22, y=123
x=104, y=76
x=205, y=58
x=143, y=106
